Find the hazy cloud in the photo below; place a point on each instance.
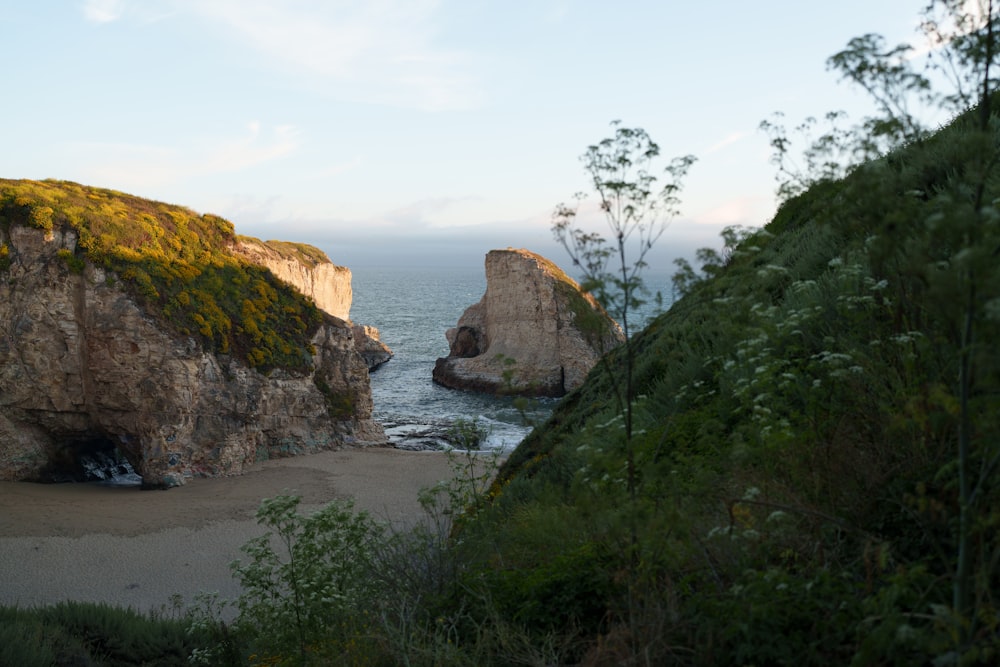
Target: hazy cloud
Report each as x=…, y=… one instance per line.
x=381, y=51
x=143, y=166
x=103, y=11
x=723, y=143
x=420, y=214
x=749, y=211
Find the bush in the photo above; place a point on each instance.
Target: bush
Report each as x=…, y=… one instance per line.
x=308, y=582
x=78, y=633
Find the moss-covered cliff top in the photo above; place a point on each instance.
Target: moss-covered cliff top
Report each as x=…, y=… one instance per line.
x=308, y=255
x=179, y=265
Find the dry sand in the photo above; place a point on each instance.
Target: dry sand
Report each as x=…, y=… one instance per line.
x=139, y=548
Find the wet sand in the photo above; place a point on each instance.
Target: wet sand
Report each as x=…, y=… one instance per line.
x=138, y=549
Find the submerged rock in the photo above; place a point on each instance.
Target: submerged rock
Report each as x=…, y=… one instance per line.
x=534, y=332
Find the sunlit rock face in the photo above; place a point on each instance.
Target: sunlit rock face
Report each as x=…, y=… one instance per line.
x=317, y=277
x=329, y=286
x=534, y=332
x=81, y=361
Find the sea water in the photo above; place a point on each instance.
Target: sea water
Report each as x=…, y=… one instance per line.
x=413, y=308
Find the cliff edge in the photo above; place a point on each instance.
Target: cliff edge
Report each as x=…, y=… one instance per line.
x=131, y=325
x=309, y=270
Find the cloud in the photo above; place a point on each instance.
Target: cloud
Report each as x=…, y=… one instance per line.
x=374, y=51
x=727, y=141
x=750, y=211
x=423, y=214
x=144, y=166
x=103, y=11
x=371, y=51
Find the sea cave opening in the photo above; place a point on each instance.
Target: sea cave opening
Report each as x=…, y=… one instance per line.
x=94, y=458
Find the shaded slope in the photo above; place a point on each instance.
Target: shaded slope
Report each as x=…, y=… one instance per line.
x=796, y=437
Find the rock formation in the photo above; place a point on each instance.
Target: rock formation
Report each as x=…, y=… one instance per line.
x=82, y=362
x=370, y=346
x=310, y=271
x=306, y=268
x=534, y=332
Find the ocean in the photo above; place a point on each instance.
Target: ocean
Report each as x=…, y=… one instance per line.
x=412, y=309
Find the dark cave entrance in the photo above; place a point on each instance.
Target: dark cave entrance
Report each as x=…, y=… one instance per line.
x=90, y=459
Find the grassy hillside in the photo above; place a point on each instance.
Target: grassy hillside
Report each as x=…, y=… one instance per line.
x=178, y=264
x=816, y=447
x=797, y=435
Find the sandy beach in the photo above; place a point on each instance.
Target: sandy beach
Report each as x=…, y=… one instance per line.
x=139, y=548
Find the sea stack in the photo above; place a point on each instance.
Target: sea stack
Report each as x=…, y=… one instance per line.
x=534, y=332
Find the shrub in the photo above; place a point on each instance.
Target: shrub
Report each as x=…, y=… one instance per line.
x=73, y=263
x=308, y=582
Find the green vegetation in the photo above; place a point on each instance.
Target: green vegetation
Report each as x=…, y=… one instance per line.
x=178, y=264
x=802, y=469
x=306, y=254
x=76, y=633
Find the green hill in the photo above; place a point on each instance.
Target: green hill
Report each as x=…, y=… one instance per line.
x=178, y=264
x=798, y=492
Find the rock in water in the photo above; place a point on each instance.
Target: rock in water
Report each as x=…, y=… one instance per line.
x=83, y=359
x=370, y=346
x=533, y=333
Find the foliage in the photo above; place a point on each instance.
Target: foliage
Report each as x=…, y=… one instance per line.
x=809, y=475
x=307, y=582
x=77, y=633
x=799, y=458
x=635, y=211
x=304, y=253
x=178, y=264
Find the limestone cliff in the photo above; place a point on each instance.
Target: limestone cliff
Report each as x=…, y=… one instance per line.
x=83, y=360
x=309, y=270
x=534, y=332
x=305, y=267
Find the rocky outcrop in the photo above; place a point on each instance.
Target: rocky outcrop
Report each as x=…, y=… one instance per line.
x=370, y=346
x=534, y=332
x=306, y=268
x=309, y=270
x=82, y=363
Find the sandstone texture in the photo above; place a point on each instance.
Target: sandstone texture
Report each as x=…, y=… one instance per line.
x=312, y=273
x=534, y=332
x=370, y=346
x=305, y=267
x=82, y=363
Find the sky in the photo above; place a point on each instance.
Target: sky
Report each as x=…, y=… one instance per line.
x=418, y=132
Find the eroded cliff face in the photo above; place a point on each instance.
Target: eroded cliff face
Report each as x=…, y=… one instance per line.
x=534, y=332
x=326, y=283
x=81, y=361
x=316, y=276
